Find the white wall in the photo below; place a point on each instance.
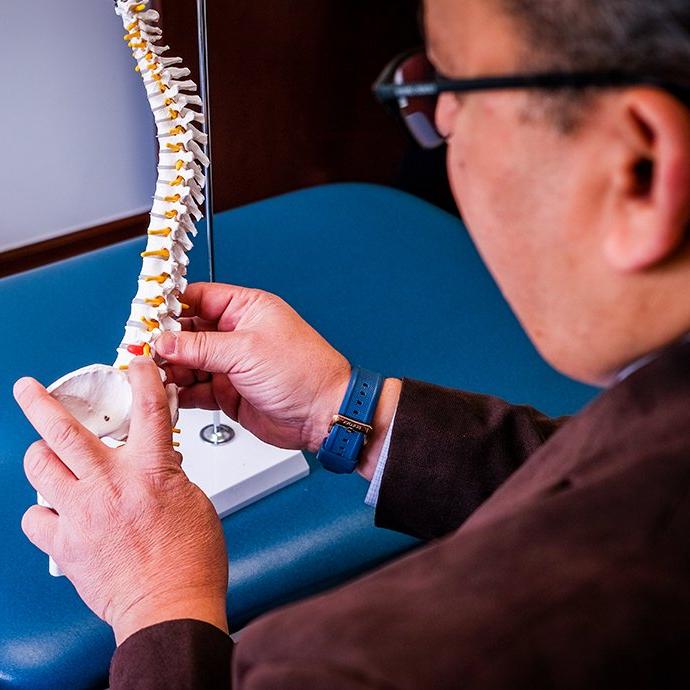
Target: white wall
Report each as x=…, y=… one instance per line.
x=77, y=145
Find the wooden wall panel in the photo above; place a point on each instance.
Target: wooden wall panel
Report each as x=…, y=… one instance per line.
x=290, y=90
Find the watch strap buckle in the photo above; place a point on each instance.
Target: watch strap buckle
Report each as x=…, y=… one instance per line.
x=350, y=424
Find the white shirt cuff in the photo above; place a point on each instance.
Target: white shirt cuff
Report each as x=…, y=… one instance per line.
x=372, y=497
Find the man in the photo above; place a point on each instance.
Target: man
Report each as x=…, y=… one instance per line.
x=560, y=556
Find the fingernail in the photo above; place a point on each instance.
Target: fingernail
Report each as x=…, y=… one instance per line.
x=165, y=344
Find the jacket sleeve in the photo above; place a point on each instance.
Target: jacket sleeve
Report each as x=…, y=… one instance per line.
x=449, y=452
x=175, y=655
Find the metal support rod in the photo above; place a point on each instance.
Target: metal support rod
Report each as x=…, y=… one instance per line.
x=219, y=433
x=204, y=90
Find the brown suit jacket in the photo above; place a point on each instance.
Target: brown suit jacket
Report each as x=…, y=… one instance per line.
x=559, y=558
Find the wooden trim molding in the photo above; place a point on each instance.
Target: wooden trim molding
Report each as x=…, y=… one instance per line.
x=65, y=246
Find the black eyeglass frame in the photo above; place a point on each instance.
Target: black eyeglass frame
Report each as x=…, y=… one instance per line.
x=390, y=93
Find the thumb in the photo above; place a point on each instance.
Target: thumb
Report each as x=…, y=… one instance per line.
x=150, y=425
x=203, y=350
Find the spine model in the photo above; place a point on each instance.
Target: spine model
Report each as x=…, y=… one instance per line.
x=99, y=395
x=178, y=196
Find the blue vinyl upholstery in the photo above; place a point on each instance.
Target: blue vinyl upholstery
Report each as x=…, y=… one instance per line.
x=393, y=282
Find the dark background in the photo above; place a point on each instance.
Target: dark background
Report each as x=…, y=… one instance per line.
x=291, y=100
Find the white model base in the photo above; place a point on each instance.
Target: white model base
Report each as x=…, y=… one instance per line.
x=237, y=473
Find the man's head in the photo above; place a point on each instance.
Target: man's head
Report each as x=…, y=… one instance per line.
x=579, y=202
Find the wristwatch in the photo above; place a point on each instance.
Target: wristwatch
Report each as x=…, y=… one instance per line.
x=348, y=431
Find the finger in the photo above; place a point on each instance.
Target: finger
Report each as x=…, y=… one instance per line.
x=150, y=426
x=78, y=448
x=203, y=376
x=40, y=526
x=180, y=375
x=197, y=324
x=214, y=352
x=198, y=397
x=184, y=377
x=217, y=394
x=186, y=324
x=49, y=476
x=211, y=301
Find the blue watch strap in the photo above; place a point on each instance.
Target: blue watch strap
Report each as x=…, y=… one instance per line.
x=341, y=448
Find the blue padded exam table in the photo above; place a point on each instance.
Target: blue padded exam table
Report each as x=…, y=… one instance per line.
x=392, y=282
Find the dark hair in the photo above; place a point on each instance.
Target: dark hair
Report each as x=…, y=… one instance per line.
x=650, y=37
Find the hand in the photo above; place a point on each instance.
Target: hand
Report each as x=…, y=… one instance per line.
x=139, y=541
x=250, y=354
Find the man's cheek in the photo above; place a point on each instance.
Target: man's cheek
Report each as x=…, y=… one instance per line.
x=458, y=178
x=472, y=187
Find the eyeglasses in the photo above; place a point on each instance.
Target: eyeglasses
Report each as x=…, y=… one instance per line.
x=410, y=86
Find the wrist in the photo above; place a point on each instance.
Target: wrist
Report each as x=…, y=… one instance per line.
x=156, y=610
x=328, y=405
x=383, y=418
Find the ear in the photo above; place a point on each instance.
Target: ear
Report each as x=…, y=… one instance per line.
x=652, y=182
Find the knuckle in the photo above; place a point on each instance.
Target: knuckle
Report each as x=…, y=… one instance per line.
x=152, y=405
x=37, y=458
x=103, y=506
x=118, y=502
x=248, y=294
x=202, y=345
x=71, y=549
x=62, y=432
x=163, y=480
x=201, y=341
x=269, y=299
x=126, y=502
